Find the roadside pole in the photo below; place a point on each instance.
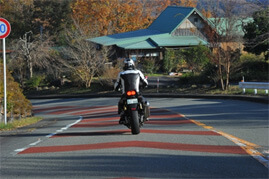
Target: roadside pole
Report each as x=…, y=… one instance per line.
x=5, y=80
x=4, y=32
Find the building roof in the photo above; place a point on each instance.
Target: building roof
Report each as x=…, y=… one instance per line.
x=173, y=41
x=127, y=37
x=158, y=34
x=222, y=24
x=170, y=18
x=164, y=41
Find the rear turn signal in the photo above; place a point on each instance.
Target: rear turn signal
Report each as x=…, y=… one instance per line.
x=131, y=93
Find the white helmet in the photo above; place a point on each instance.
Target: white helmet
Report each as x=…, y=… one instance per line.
x=128, y=64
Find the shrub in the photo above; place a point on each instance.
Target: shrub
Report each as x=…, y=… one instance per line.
x=251, y=57
x=148, y=65
x=255, y=71
x=35, y=81
x=17, y=103
x=188, y=79
x=108, y=77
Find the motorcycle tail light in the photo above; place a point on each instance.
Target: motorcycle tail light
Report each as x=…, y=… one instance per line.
x=131, y=93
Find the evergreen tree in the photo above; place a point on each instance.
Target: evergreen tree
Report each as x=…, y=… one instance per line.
x=256, y=33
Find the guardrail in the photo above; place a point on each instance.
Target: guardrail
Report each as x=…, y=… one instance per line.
x=254, y=85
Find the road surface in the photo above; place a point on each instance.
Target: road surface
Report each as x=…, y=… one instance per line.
x=185, y=138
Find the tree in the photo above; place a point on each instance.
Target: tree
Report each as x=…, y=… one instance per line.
x=224, y=39
x=170, y=60
x=126, y=15
x=50, y=17
x=19, y=14
x=99, y=18
x=257, y=33
x=188, y=3
x=17, y=104
x=81, y=57
x=30, y=53
x=196, y=57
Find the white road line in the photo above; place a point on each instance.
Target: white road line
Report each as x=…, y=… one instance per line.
x=32, y=144
x=65, y=128
x=48, y=136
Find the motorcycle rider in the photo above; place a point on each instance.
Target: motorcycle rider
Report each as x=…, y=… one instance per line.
x=129, y=79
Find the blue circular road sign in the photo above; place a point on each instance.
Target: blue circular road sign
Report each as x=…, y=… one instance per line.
x=5, y=28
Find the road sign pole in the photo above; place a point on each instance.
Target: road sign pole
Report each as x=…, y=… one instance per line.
x=4, y=32
x=5, y=80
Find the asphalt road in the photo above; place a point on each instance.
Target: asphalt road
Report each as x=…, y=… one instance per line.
x=185, y=138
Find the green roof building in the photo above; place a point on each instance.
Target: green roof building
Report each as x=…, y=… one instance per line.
x=176, y=27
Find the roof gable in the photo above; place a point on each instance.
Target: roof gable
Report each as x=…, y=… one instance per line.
x=171, y=18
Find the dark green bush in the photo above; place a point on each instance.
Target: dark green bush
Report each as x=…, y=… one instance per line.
x=148, y=66
x=253, y=71
x=189, y=79
x=35, y=81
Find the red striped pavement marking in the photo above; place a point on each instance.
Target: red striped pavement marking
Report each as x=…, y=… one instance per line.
x=125, y=178
x=38, y=110
x=167, y=122
x=166, y=116
x=101, y=116
x=65, y=111
x=80, y=109
x=96, y=123
x=100, y=124
x=100, y=119
x=90, y=122
x=159, y=111
x=179, y=132
x=143, y=144
x=105, y=110
x=89, y=114
x=97, y=133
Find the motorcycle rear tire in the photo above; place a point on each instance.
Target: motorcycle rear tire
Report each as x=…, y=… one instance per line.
x=135, y=122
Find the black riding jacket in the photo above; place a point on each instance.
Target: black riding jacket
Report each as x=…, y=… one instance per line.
x=130, y=80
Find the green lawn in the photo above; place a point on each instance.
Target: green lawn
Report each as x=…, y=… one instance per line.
x=19, y=123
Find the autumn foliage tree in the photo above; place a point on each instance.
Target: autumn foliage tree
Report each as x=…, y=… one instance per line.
x=109, y=16
x=17, y=104
x=104, y=17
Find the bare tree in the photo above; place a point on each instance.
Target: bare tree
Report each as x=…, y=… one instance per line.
x=225, y=39
x=30, y=52
x=82, y=58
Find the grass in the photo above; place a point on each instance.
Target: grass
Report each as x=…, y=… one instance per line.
x=19, y=123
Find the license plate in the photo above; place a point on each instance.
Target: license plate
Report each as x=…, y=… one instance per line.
x=132, y=101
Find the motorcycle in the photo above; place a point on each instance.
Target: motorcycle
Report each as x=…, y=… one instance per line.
x=136, y=112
